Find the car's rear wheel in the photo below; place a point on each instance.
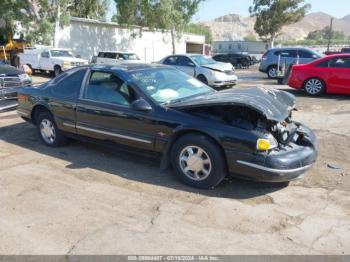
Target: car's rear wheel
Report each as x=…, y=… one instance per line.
x=198, y=161
x=203, y=79
x=48, y=131
x=272, y=72
x=314, y=87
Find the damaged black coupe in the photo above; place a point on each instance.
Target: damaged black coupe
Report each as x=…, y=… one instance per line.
x=204, y=134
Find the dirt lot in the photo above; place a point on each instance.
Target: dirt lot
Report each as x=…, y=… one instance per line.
x=83, y=199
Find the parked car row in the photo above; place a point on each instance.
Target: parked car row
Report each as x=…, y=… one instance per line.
x=305, y=69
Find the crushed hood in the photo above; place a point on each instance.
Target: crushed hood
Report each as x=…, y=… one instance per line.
x=219, y=66
x=275, y=105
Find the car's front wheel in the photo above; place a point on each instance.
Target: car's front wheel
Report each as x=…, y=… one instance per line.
x=48, y=131
x=314, y=87
x=198, y=161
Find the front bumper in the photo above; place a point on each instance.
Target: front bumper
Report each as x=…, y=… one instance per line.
x=227, y=80
x=283, y=165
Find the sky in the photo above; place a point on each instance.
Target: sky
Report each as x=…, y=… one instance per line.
x=211, y=9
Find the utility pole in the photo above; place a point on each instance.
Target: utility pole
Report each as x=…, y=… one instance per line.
x=330, y=35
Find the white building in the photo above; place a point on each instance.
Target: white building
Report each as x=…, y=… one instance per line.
x=87, y=37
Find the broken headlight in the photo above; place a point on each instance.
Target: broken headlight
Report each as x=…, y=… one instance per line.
x=265, y=144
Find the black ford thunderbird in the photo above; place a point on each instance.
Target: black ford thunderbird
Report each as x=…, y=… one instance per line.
x=202, y=133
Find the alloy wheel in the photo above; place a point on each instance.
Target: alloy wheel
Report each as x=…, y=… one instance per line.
x=47, y=131
x=273, y=72
x=313, y=86
x=195, y=163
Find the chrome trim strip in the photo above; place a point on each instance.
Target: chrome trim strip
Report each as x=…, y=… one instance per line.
x=113, y=134
x=69, y=125
x=3, y=108
x=278, y=171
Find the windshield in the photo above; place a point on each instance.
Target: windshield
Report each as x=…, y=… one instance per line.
x=317, y=53
x=130, y=57
x=61, y=53
x=166, y=85
x=203, y=60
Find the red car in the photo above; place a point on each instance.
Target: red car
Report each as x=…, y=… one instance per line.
x=330, y=74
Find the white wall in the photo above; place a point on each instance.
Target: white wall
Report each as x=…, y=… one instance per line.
x=87, y=37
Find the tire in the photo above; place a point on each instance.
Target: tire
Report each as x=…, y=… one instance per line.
x=272, y=72
x=239, y=66
x=57, y=70
x=203, y=79
x=48, y=131
x=314, y=87
x=208, y=167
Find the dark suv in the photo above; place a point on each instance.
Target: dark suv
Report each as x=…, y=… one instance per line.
x=238, y=60
x=288, y=56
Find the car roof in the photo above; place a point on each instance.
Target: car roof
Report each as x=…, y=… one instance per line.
x=127, y=66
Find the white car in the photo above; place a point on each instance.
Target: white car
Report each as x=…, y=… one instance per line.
x=113, y=57
x=204, y=68
x=50, y=59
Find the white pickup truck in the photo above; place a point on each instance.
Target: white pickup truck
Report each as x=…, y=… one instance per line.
x=50, y=59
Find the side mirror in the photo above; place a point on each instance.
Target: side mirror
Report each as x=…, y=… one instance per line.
x=314, y=56
x=191, y=65
x=141, y=105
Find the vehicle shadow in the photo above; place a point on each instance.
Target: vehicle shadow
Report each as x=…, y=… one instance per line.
x=127, y=165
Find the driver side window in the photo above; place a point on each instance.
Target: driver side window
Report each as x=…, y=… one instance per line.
x=106, y=87
x=185, y=61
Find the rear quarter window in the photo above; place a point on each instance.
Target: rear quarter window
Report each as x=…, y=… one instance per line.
x=68, y=86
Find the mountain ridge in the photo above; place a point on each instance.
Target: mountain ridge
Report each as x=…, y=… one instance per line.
x=236, y=27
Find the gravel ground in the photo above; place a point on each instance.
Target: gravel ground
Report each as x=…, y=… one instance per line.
x=84, y=199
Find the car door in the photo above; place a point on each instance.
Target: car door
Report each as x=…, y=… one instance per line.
x=64, y=92
x=104, y=112
x=186, y=65
x=339, y=75
x=45, y=61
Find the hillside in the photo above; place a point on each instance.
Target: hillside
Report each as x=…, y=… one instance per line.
x=236, y=27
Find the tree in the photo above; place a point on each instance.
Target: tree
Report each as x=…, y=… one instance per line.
x=250, y=37
x=200, y=30
x=161, y=14
x=272, y=15
x=11, y=12
x=42, y=19
x=323, y=35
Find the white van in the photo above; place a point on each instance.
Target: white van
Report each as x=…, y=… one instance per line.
x=54, y=60
x=111, y=57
